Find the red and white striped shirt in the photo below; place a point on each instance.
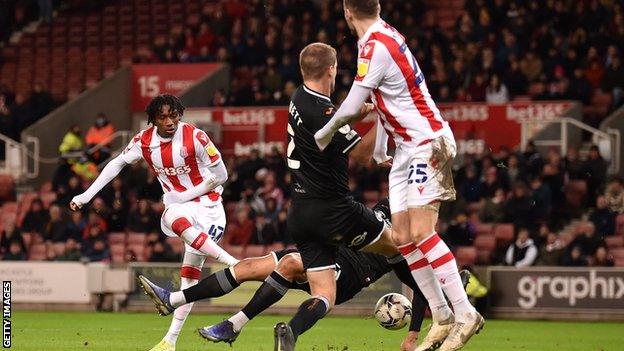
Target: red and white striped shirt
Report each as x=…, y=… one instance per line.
x=386, y=65
x=180, y=162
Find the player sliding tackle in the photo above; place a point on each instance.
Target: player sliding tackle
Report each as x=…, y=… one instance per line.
x=281, y=271
x=190, y=171
x=421, y=174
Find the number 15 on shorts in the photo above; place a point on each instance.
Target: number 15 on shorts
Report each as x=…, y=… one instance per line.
x=417, y=173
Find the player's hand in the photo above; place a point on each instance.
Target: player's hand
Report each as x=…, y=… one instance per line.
x=410, y=341
x=323, y=138
x=77, y=202
x=366, y=109
x=387, y=163
x=171, y=197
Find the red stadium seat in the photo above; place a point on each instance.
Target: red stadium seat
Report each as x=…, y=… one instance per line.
x=117, y=248
x=614, y=241
x=37, y=252
x=138, y=250
x=10, y=207
x=619, y=224
x=254, y=251
x=117, y=238
x=136, y=238
x=617, y=253
x=504, y=233
x=485, y=242
x=484, y=256
x=466, y=256
x=484, y=228
x=177, y=245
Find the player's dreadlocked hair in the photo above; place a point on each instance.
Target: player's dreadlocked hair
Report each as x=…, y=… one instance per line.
x=154, y=108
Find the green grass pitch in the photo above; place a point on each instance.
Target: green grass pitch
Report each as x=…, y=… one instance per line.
x=52, y=331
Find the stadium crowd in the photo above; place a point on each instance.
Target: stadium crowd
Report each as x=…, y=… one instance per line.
x=498, y=50
x=528, y=190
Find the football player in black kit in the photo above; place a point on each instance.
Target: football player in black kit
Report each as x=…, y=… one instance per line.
x=323, y=216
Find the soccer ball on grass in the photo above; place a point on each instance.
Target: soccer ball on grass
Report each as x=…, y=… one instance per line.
x=393, y=311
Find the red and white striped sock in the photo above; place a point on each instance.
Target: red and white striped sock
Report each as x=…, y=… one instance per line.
x=444, y=267
x=201, y=241
x=426, y=280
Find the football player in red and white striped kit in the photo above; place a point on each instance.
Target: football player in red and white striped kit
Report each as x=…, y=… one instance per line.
x=191, y=172
x=421, y=174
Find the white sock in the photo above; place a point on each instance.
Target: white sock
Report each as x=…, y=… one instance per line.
x=201, y=241
x=180, y=314
x=445, y=269
x=425, y=278
x=177, y=299
x=239, y=320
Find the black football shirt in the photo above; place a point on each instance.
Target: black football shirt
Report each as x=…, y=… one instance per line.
x=317, y=174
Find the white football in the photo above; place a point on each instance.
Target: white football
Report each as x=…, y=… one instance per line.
x=393, y=311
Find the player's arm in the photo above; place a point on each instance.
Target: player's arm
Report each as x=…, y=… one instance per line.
x=349, y=111
x=109, y=172
x=218, y=176
x=131, y=154
x=373, y=64
x=208, y=155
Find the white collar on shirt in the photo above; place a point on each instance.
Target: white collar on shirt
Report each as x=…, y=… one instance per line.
x=310, y=91
x=368, y=33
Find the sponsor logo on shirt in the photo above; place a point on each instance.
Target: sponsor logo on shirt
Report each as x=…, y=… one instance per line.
x=172, y=171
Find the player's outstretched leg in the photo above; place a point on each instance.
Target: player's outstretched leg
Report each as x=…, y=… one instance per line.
x=275, y=286
x=159, y=296
x=175, y=220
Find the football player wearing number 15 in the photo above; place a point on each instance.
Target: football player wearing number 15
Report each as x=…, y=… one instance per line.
x=421, y=175
x=190, y=171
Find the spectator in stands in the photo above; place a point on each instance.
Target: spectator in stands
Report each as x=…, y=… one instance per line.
x=496, y=92
x=41, y=101
x=94, y=220
x=551, y=253
x=56, y=229
x=161, y=252
x=282, y=231
x=100, y=133
x=613, y=81
x=518, y=208
x=250, y=198
x=541, y=199
x=239, y=232
x=595, y=168
x=614, y=195
x=270, y=190
x=72, y=251
x=469, y=188
x=601, y=258
x=460, y=232
x=15, y=253
x=151, y=189
x=72, y=141
x=143, y=219
x=36, y=218
x=493, y=209
x=265, y=233
x=588, y=241
x=76, y=226
x=65, y=193
x=603, y=217
x=575, y=258
x=522, y=253
x=95, y=248
x=118, y=216
x=515, y=171
x=573, y=164
x=491, y=182
x=10, y=235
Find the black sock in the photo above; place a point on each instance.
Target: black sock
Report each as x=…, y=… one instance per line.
x=419, y=302
x=308, y=314
x=272, y=290
x=217, y=284
x=401, y=269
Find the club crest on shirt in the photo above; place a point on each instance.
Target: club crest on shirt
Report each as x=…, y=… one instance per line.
x=183, y=152
x=362, y=67
x=211, y=149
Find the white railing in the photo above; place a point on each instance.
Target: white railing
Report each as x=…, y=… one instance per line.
x=22, y=160
x=609, y=142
